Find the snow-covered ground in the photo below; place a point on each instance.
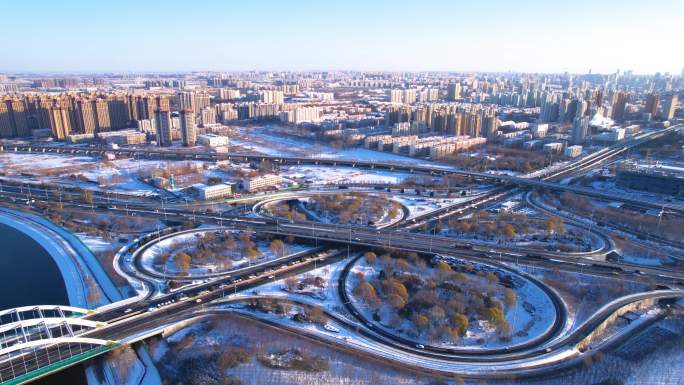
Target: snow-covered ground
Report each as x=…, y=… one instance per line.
x=323, y=175
x=531, y=316
x=267, y=140
x=82, y=171
x=611, y=187
x=582, y=293
x=186, y=242
x=98, y=244
x=217, y=334
x=573, y=239
x=224, y=332
x=423, y=205
x=17, y=162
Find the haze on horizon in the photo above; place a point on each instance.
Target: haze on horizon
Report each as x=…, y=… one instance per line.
x=431, y=35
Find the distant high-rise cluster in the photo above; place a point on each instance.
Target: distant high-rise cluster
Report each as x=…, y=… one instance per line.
x=516, y=109
x=73, y=114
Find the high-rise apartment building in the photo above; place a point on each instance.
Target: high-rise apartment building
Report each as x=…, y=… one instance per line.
x=6, y=126
x=162, y=103
x=102, y=114
x=580, y=129
x=186, y=100
x=162, y=121
x=227, y=94
x=407, y=96
x=652, y=102
x=146, y=107
x=619, y=104
x=187, y=127
x=473, y=125
x=87, y=121
x=60, y=123
x=454, y=91
x=208, y=116
x=670, y=106
x=395, y=96
x=193, y=101
x=119, y=116
x=272, y=96
x=13, y=118
x=19, y=117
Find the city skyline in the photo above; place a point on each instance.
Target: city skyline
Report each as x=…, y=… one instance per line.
x=536, y=36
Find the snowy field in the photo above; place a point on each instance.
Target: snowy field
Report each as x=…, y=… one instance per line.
x=267, y=140
x=186, y=243
x=583, y=294
x=203, y=340
x=658, y=362
x=573, y=239
x=611, y=187
x=82, y=171
x=323, y=175
x=531, y=315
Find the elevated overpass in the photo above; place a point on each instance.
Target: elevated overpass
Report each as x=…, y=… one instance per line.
x=543, y=180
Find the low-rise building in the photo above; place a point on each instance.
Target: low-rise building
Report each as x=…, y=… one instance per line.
x=540, y=130
x=216, y=191
x=553, y=148
x=213, y=140
x=573, y=151
x=80, y=138
x=532, y=144
x=261, y=182
x=123, y=137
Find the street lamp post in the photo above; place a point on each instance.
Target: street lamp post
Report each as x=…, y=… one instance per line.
x=313, y=232
x=434, y=229
x=660, y=218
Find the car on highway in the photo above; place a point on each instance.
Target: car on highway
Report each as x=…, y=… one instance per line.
x=331, y=328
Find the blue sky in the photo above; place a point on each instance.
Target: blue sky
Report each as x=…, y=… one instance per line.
x=483, y=35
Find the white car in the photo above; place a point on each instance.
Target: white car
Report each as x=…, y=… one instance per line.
x=331, y=328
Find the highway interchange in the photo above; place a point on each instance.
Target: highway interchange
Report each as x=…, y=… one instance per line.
x=135, y=320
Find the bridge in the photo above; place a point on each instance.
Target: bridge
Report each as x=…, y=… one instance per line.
x=38, y=340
